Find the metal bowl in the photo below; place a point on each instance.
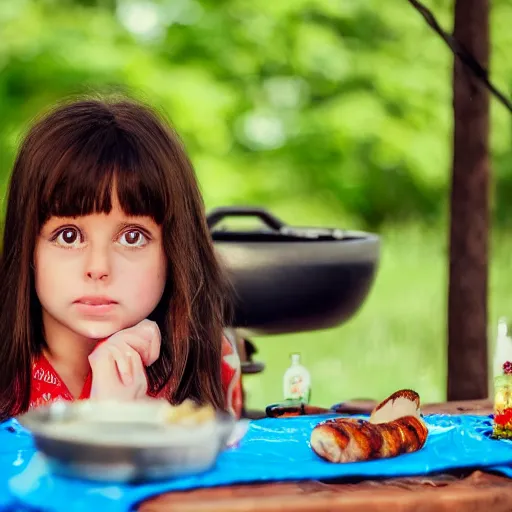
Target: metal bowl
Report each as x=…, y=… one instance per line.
x=124, y=442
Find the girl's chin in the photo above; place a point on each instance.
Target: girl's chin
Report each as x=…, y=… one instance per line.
x=98, y=332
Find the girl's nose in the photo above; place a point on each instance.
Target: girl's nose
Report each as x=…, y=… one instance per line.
x=97, y=275
x=97, y=266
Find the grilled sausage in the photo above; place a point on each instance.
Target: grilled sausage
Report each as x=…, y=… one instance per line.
x=352, y=440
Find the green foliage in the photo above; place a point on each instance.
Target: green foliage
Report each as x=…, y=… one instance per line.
x=321, y=110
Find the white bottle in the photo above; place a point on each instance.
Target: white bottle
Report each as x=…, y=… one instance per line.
x=503, y=348
x=297, y=381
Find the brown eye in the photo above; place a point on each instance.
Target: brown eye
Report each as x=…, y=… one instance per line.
x=133, y=238
x=68, y=237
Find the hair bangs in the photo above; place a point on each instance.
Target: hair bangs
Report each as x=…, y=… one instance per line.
x=92, y=173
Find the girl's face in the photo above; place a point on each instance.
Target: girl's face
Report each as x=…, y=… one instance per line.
x=98, y=274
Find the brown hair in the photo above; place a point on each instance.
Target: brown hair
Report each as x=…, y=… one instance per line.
x=67, y=166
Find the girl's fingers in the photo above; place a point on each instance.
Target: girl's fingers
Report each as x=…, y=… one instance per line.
x=149, y=330
x=124, y=357
x=140, y=378
x=105, y=381
x=130, y=368
x=118, y=372
x=102, y=360
x=135, y=342
x=143, y=337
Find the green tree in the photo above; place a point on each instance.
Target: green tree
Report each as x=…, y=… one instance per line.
x=337, y=112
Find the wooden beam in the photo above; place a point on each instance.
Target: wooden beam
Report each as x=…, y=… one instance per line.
x=469, y=222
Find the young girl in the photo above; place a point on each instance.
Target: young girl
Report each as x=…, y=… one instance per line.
x=109, y=283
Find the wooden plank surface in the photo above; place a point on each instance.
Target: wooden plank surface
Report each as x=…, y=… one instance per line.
x=479, y=492
x=473, y=492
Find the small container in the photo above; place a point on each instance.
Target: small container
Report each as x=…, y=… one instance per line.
x=297, y=381
x=502, y=424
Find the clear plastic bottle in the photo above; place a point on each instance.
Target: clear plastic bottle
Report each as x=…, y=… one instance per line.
x=297, y=381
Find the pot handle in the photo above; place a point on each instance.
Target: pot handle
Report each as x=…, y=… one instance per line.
x=218, y=214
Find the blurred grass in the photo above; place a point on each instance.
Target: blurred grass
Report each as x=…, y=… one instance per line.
x=397, y=339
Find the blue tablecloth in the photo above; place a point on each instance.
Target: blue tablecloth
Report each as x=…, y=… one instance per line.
x=273, y=449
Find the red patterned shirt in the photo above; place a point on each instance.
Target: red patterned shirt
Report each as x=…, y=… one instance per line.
x=48, y=387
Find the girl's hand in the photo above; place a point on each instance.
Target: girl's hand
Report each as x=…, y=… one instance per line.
x=117, y=373
x=118, y=363
x=144, y=338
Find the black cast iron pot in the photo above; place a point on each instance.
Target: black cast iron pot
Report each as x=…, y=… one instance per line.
x=289, y=279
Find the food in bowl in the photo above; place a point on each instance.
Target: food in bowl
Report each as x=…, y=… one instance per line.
x=187, y=413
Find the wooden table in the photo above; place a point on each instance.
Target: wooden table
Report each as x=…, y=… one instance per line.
x=468, y=492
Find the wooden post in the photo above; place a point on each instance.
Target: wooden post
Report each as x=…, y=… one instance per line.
x=469, y=228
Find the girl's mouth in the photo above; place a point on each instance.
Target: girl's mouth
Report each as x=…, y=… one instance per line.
x=95, y=305
x=95, y=301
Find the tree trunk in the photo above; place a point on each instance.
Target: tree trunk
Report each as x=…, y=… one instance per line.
x=469, y=228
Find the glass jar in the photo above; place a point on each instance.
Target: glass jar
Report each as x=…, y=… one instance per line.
x=502, y=424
